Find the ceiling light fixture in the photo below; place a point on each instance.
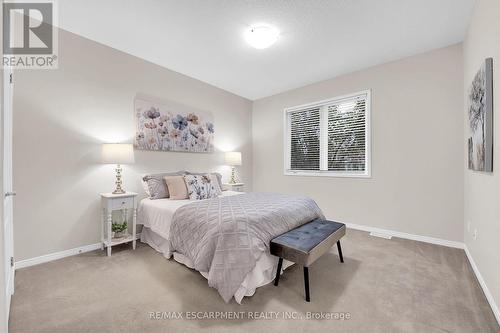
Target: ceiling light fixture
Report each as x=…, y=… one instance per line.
x=261, y=36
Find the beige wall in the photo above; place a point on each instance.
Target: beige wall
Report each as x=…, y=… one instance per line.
x=417, y=154
x=61, y=118
x=482, y=190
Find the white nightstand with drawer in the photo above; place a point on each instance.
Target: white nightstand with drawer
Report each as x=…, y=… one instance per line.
x=109, y=203
x=238, y=187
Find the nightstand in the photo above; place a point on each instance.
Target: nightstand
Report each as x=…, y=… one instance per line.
x=238, y=187
x=109, y=203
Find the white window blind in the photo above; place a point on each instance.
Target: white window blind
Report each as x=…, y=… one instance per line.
x=305, y=140
x=329, y=138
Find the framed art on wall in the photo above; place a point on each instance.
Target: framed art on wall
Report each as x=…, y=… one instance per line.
x=480, y=112
x=163, y=128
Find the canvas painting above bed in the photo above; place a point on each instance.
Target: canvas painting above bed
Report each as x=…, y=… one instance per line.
x=162, y=128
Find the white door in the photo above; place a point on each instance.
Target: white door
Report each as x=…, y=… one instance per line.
x=8, y=194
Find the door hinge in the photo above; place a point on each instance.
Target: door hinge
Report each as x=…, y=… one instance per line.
x=11, y=261
x=11, y=78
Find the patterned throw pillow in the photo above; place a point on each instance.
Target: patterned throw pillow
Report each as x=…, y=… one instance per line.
x=219, y=176
x=157, y=188
x=202, y=186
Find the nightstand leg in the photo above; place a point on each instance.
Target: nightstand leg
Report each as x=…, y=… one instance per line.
x=134, y=231
x=110, y=221
x=102, y=228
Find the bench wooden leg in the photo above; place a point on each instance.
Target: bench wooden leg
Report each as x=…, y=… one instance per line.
x=340, y=251
x=278, y=272
x=306, y=283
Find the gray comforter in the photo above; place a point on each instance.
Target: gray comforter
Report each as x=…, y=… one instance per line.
x=225, y=236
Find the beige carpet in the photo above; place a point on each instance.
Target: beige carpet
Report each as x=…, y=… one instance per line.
x=383, y=286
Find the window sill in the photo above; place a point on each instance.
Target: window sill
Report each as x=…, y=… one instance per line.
x=327, y=174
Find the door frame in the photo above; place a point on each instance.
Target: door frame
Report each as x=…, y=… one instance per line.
x=7, y=204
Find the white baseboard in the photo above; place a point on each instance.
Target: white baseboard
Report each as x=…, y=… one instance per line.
x=380, y=235
x=392, y=233
x=56, y=255
x=483, y=285
x=59, y=255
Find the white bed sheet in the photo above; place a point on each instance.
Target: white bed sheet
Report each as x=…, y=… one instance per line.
x=156, y=217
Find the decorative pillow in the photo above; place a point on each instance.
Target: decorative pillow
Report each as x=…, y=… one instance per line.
x=157, y=186
x=202, y=186
x=145, y=187
x=216, y=179
x=176, y=187
x=219, y=176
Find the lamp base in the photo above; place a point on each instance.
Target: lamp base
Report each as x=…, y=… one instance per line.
x=118, y=182
x=233, y=176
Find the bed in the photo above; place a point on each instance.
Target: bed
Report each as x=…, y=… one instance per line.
x=226, y=238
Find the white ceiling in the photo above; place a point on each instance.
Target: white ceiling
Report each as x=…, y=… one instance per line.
x=320, y=39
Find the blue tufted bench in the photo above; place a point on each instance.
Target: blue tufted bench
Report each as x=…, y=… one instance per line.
x=305, y=244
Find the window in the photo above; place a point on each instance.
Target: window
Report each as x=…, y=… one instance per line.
x=329, y=138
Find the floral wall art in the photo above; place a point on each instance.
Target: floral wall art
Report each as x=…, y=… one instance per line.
x=163, y=128
x=480, y=111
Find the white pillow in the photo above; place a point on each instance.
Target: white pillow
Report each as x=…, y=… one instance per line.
x=202, y=186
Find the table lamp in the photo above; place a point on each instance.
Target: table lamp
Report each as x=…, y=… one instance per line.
x=233, y=158
x=118, y=153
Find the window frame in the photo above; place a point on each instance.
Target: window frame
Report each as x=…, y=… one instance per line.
x=324, y=139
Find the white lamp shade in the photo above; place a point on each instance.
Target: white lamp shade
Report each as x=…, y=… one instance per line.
x=117, y=153
x=233, y=158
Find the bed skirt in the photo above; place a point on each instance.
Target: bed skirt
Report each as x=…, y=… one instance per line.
x=263, y=273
